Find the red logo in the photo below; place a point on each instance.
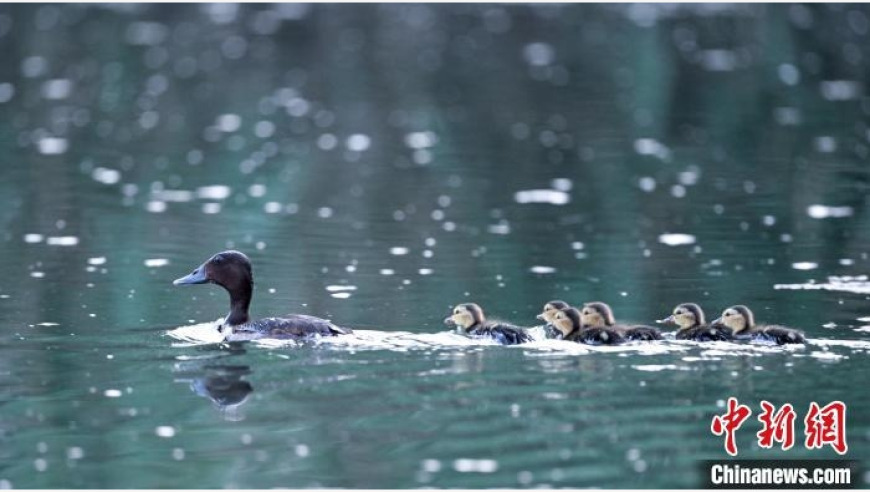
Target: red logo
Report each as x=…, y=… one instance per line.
x=823, y=426
x=777, y=426
x=729, y=423
x=827, y=425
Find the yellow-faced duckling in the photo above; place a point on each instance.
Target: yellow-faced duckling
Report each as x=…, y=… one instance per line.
x=599, y=314
x=470, y=318
x=570, y=325
x=741, y=321
x=548, y=314
x=232, y=271
x=689, y=317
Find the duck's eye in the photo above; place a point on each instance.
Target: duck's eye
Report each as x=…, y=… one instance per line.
x=678, y=312
x=456, y=311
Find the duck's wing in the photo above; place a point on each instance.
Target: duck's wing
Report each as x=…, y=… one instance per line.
x=599, y=336
x=323, y=326
x=505, y=334
x=712, y=333
x=723, y=332
x=641, y=332
x=682, y=334
x=295, y=326
x=782, y=335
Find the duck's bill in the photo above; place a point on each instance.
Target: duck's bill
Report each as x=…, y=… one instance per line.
x=449, y=321
x=197, y=277
x=669, y=319
x=540, y=317
x=717, y=321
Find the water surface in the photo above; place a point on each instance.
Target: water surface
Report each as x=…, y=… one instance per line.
x=382, y=163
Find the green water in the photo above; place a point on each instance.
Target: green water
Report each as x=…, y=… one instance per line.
x=383, y=148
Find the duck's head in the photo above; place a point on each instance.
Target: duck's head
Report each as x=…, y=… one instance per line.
x=567, y=321
x=465, y=316
x=738, y=318
x=596, y=314
x=229, y=269
x=686, y=315
x=550, y=310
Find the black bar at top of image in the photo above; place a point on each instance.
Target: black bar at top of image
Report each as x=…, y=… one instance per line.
x=752, y=469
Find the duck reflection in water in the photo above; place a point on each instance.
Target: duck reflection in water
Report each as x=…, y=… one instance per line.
x=224, y=386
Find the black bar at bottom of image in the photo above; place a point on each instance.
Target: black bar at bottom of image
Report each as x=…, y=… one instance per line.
x=780, y=474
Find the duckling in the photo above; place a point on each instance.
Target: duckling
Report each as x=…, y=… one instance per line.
x=741, y=321
x=470, y=318
x=232, y=271
x=570, y=325
x=599, y=314
x=548, y=315
x=693, y=326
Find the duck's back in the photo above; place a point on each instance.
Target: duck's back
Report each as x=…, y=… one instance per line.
x=780, y=334
x=639, y=332
x=503, y=333
x=597, y=336
x=706, y=333
x=290, y=326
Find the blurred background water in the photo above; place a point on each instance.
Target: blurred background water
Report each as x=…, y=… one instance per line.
x=380, y=163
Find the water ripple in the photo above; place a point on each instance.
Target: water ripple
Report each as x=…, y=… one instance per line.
x=827, y=350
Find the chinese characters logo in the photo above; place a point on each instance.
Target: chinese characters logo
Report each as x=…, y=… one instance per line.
x=822, y=425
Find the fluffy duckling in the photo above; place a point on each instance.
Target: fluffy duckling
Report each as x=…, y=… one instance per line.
x=599, y=314
x=569, y=322
x=232, y=271
x=689, y=317
x=741, y=321
x=548, y=314
x=470, y=318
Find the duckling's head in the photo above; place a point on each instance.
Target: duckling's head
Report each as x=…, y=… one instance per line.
x=738, y=318
x=550, y=310
x=597, y=314
x=465, y=316
x=567, y=321
x=229, y=269
x=686, y=315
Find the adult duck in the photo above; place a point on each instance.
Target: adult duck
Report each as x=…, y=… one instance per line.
x=232, y=271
